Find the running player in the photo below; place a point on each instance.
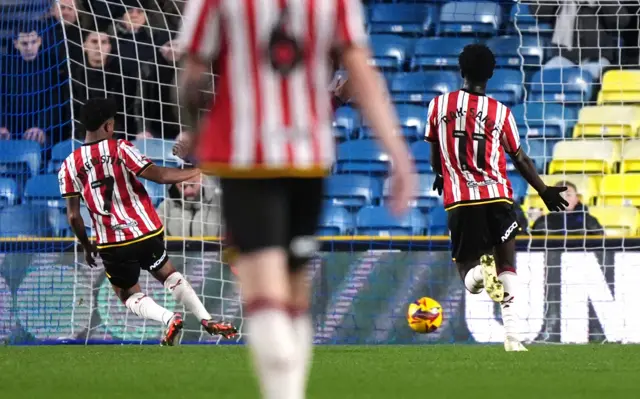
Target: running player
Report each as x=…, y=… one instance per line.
x=470, y=134
x=104, y=173
x=269, y=137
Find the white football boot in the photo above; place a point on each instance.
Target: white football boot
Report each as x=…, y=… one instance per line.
x=512, y=344
x=492, y=285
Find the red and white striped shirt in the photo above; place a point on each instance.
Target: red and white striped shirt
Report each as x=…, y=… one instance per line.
x=473, y=132
x=105, y=174
x=266, y=121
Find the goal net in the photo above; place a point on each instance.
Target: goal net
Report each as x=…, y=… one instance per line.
x=570, y=74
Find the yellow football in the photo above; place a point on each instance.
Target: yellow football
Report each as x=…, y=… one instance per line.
x=424, y=315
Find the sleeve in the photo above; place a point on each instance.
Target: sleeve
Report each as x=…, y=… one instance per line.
x=349, y=26
x=510, y=135
x=431, y=130
x=68, y=185
x=132, y=158
x=200, y=33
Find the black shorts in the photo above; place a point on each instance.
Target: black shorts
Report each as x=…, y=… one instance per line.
x=123, y=264
x=274, y=213
x=476, y=229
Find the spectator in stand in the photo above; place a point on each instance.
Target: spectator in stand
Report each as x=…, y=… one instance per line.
x=70, y=19
x=574, y=221
x=190, y=210
x=586, y=33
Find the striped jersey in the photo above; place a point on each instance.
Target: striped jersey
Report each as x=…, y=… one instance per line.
x=104, y=174
x=474, y=132
x=272, y=112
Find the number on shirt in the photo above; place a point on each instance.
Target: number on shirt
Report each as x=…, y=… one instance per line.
x=109, y=183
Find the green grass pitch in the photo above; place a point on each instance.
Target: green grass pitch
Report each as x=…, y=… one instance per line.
x=389, y=372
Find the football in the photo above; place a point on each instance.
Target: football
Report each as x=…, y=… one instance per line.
x=424, y=315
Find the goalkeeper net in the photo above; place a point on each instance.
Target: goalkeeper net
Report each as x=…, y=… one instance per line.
x=570, y=74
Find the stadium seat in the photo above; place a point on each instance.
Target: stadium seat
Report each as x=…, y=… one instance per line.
x=540, y=151
x=412, y=119
x=437, y=222
x=8, y=192
x=571, y=85
x=421, y=87
x=410, y=19
x=156, y=191
x=620, y=189
x=620, y=87
x=336, y=221
x=377, y=221
x=426, y=198
x=27, y=220
x=469, y=18
x=586, y=186
x=514, y=52
x=353, y=191
x=19, y=157
x=584, y=156
x=506, y=86
x=617, y=220
x=60, y=152
x=438, y=52
x=630, y=157
x=548, y=120
x=523, y=21
x=614, y=121
x=421, y=151
x=361, y=157
x=346, y=123
x=43, y=190
x=159, y=151
x=389, y=52
x=518, y=184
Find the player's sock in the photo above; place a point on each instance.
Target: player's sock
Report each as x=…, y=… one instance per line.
x=473, y=280
x=272, y=343
x=509, y=280
x=303, y=330
x=142, y=305
x=185, y=295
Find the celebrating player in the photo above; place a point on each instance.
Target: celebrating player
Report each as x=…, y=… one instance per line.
x=269, y=137
x=103, y=172
x=470, y=133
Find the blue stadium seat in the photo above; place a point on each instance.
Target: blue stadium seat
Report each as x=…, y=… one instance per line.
x=412, y=119
x=426, y=198
x=421, y=87
x=438, y=52
x=19, y=157
x=377, y=221
x=159, y=151
x=437, y=222
x=470, y=18
x=43, y=190
x=336, y=221
x=519, y=185
x=548, y=120
x=541, y=151
x=352, y=191
x=524, y=22
x=346, y=123
x=421, y=151
x=512, y=51
x=361, y=157
x=569, y=85
x=156, y=191
x=389, y=52
x=410, y=19
x=27, y=220
x=506, y=86
x=8, y=192
x=60, y=152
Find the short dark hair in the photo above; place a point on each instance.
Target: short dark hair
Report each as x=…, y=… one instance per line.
x=96, y=112
x=567, y=183
x=477, y=62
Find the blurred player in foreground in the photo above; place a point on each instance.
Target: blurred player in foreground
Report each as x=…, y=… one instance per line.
x=104, y=173
x=269, y=137
x=470, y=134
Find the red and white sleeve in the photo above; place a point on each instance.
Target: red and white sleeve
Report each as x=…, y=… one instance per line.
x=431, y=130
x=200, y=33
x=68, y=185
x=350, y=29
x=132, y=158
x=510, y=135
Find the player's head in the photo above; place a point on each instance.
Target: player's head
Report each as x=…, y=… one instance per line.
x=571, y=195
x=477, y=63
x=98, y=117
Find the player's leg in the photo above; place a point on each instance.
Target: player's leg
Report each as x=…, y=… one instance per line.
x=256, y=211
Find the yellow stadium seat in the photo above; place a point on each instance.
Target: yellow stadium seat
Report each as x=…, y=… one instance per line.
x=620, y=87
x=608, y=121
x=584, y=156
x=620, y=190
x=630, y=157
x=587, y=187
x=617, y=220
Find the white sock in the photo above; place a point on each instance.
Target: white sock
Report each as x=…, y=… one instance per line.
x=303, y=330
x=185, y=295
x=473, y=280
x=509, y=309
x=142, y=305
x=272, y=343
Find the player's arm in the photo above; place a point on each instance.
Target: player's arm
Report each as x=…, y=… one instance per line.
x=74, y=217
x=431, y=136
x=162, y=175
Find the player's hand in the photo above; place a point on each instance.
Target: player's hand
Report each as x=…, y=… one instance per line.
x=403, y=185
x=438, y=184
x=90, y=254
x=552, y=197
